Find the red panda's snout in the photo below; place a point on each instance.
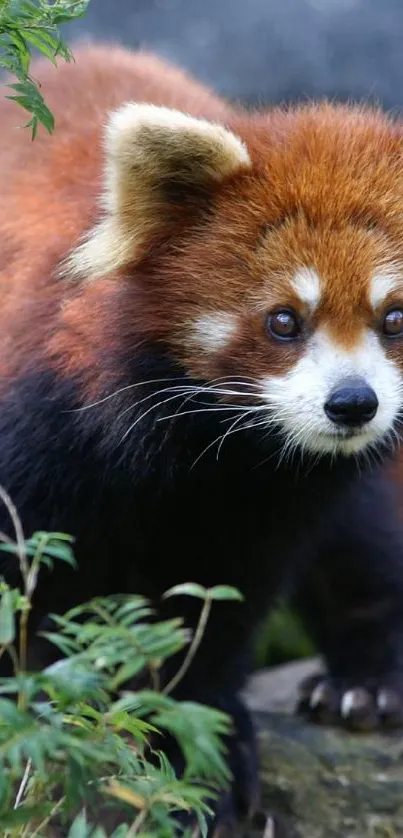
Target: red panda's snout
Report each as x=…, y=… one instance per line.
x=336, y=400
x=323, y=397
x=352, y=404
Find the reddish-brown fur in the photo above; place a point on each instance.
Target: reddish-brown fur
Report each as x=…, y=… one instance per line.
x=49, y=191
x=325, y=190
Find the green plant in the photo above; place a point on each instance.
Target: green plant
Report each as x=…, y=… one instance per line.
x=70, y=747
x=28, y=24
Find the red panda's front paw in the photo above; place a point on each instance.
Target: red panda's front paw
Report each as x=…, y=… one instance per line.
x=364, y=704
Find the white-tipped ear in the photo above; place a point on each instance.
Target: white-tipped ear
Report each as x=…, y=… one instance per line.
x=156, y=158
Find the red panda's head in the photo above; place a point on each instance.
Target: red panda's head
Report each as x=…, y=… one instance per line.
x=271, y=256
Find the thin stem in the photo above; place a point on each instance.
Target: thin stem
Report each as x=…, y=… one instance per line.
x=197, y=638
x=48, y=818
x=23, y=644
x=19, y=535
x=29, y=590
x=35, y=566
x=13, y=655
x=155, y=676
x=137, y=823
x=23, y=784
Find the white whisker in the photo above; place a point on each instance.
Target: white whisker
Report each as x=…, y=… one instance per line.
x=143, y=415
x=209, y=385
x=228, y=433
x=119, y=391
x=211, y=409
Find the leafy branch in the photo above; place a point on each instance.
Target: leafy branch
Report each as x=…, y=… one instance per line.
x=27, y=25
x=70, y=745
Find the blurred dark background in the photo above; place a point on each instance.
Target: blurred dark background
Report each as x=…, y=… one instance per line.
x=262, y=51
x=259, y=52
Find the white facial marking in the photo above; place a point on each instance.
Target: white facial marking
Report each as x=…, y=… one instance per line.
x=382, y=283
x=306, y=284
x=297, y=398
x=212, y=332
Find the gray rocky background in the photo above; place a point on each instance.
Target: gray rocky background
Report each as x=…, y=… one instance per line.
x=267, y=50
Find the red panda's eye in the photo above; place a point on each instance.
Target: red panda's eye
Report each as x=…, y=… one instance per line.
x=284, y=324
x=393, y=323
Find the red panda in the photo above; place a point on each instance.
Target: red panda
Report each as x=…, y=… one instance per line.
x=201, y=364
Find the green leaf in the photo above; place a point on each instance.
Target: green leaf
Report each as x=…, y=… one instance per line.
x=43, y=42
x=124, y=721
x=74, y=680
x=225, y=592
x=53, y=536
x=23, y=814
x=13, y=548
x=78, y=9
x=100, y=833
x=126, y=672
x=65, y=644
x=121, y=832
x=199, y=731
x=62, y=552
x=7, y=619
x=80, y=828
x=187, y=588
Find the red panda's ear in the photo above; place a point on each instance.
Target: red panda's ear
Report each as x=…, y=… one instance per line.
x=154, y=157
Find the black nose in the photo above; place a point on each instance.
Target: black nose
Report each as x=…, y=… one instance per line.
x=352, y=404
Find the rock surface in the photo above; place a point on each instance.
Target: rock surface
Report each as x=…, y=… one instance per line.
x=321, y=782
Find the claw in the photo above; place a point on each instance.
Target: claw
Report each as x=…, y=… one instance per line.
x=320, y=696
x=354, y=701
x=357, y=707
x=390, y=707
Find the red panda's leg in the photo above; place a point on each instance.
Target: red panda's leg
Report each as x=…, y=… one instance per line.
x=352, y=603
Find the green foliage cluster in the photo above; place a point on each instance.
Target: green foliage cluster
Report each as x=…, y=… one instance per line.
x=72, y=748
x=34, y=24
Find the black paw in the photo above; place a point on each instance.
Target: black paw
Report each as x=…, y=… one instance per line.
x=358, y=705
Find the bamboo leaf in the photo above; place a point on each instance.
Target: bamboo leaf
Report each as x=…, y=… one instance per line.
x=7, y=618
x=188, y=589
x=225, y=592
x=126, y=794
